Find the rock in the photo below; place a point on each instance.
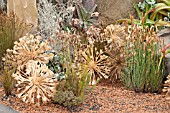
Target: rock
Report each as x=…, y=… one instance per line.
x=116, y=9
x=25, y=10
x=165, y=36
x=6, y=109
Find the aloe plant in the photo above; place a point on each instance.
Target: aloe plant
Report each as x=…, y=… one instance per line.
x=152, y=12
x=85, y=13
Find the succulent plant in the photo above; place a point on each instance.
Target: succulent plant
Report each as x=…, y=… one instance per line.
x=56, y=65
x=67, y=98
x=35, y=82
x=28, y=48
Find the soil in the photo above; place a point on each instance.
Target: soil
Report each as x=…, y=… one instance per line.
x=105, y=97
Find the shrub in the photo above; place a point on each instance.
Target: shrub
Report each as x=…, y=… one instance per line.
x=53, y=17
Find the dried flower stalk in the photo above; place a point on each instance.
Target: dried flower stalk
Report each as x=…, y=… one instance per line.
x=35, y=82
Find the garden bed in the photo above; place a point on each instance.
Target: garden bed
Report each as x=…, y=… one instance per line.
x=104, y=98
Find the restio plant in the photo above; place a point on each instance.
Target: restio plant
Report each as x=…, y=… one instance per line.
x=11, y=29
x=145, y=68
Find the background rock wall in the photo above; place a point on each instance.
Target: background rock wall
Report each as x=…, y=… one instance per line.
x=116, y=9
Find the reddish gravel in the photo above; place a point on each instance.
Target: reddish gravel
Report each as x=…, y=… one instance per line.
x=104, y=98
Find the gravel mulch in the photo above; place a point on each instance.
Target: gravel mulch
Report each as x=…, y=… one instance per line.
x=103, y=99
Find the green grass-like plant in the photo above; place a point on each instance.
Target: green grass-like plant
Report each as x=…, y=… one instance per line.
x=145, y=69
x=11, y=29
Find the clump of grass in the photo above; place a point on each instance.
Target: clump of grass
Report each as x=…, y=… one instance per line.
x=145, y=69
x=11, y=29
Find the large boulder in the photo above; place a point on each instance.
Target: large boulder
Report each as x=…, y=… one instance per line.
x=26, y=10
x=164, y=35
x=116, y=9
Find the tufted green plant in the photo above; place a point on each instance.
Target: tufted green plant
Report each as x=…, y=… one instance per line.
x=11, y=29
x=145, y=68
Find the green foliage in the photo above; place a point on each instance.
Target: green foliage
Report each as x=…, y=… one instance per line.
x=11, y=29
x=145, y=68
x=152, y=12
x=71, y=91
x=56, y=66
x=67, y=98
x=157, y=13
